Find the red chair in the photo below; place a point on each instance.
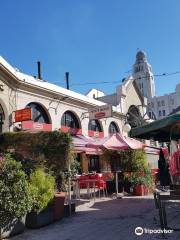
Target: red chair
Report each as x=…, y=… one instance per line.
x=82, y=184
x=101, y=185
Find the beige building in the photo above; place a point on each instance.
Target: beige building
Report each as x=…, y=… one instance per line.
x=55, y=108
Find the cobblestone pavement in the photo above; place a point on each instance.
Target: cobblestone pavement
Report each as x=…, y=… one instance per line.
x=108, y=219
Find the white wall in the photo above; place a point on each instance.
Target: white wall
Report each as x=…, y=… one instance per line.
x=54, y=107
x=95, y=93
x=167, y=102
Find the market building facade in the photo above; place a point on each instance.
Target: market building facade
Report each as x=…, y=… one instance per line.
x=57, y=108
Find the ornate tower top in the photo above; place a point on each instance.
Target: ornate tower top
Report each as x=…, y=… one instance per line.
x=143, y=75
x=141, y=56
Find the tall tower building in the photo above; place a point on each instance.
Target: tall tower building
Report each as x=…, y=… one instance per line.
x=143, y=75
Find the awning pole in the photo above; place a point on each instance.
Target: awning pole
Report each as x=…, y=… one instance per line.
x=69, y=186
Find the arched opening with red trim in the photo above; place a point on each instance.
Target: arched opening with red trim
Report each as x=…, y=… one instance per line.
x=40, y=121
x=39, y=113
x=95, y=128
x=71, y=123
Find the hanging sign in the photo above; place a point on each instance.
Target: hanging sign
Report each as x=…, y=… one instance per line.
x=104, y=111
x=23, y=115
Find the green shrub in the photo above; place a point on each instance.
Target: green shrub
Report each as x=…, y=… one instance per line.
x=139, y=162
x=49, y=150
x=15, y=198
x=145, y=180
x=42, y=189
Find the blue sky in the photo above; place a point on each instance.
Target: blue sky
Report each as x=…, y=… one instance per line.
x=95, y=40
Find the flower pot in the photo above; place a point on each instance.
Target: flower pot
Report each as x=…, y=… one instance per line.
x=16, y=226
x=37, y=220
x=66, y=209
x=139, y=190
x=58, y=208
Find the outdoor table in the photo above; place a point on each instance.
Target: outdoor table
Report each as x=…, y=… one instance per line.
x=161, y=198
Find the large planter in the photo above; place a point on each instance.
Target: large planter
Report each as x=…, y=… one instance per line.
x=139, y=190
x=17, y=226
x=66, y=209
x=37, y=220
x=58, y=208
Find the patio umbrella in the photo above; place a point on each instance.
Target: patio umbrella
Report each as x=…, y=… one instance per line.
x=131, y=142
x=116, y=142
x=110, y=143
x=80, y=145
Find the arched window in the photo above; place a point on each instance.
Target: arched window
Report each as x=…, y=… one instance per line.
x=113, y=128
x=2, y=118
x=94, y=125
x=38, y=113
x=70, y=120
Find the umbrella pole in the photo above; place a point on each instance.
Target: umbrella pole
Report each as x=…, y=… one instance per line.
x=69, y=187
x=117, y=184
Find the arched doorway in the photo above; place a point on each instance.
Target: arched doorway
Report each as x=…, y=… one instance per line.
x=2, y=118
x=113, y=128
x=70, y=123
x=95, y=128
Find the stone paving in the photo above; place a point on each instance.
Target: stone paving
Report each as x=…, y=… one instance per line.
x=108, y=219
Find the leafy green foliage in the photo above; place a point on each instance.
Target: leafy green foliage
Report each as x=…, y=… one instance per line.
x=41, y=186
x=50, y=150
x=133, y=164
x=15, y=197
x=119, y=160
x=28, y=165
x=139, y=162
x=141, y=174
x=75, y=167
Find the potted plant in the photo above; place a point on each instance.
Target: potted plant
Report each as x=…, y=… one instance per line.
x=141, y=183
x=138, y=184
x=141, y=177
x=41, y=186
x=15, y=200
